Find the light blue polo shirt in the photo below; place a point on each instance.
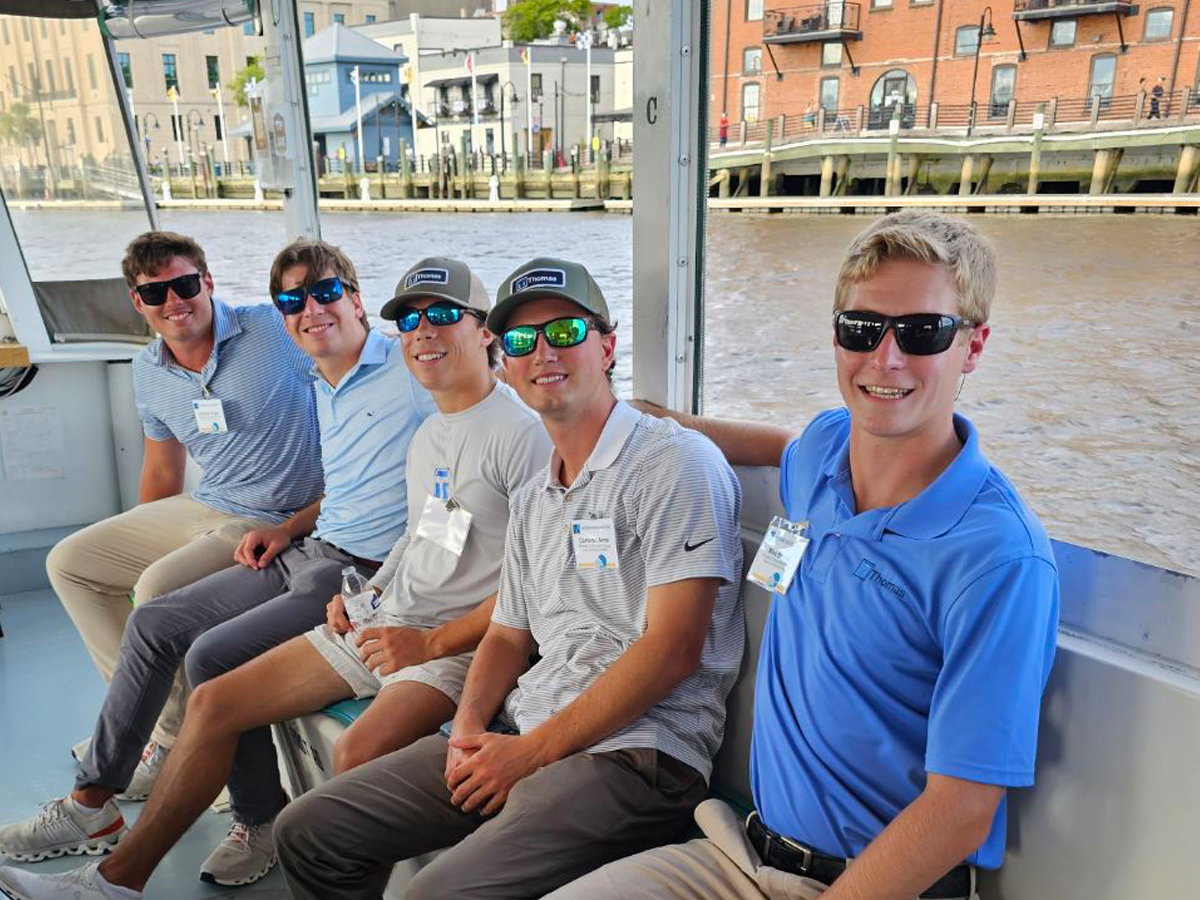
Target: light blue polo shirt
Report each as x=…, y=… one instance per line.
x=268, y=464
x=367, y=422
x=914, y=639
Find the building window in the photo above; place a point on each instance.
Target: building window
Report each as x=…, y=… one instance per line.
x=25, y=29
x=99, y=130
x=1158, y=24
x=1004, y=89
x=831, y=53
x=1062, y=33
x=339, y=18
x=881, y=4
x=829, y=95
x=45, y=33
x=126, y=68
x=752, y=60
x=310, y=24
x=177, y=128
x=50, y=84
x=218, y=126
x=1103, y=73
x=966, y=40
x=535, y=85
x=370, y=20
x=71, y=132
x=754, y=11
x=4, y=26
x=69, y=75
x=91, y=67
x=595, y=89
x=750, y=101
x=213, y=66
x=12, y=82
x=170, y=74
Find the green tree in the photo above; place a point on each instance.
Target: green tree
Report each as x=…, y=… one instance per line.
x=531, y=20
x=616, y=16
x=253, y=70
x=19, y=128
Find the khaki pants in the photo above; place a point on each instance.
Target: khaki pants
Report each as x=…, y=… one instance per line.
x=149, y=550
x=720, y=866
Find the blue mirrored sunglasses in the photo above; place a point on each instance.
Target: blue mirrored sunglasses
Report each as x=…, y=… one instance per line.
x=325, y=291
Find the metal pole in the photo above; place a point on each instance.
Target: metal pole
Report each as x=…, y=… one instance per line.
x=474, y=102
x=224, y=124
x=412, y=106
x=987, y=11
x=529, y=102
x=587, y=87
x=176, y=125
x=358, y=115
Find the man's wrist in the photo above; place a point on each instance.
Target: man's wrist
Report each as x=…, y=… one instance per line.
x=433, y=646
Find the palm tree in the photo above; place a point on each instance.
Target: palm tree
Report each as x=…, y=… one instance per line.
x=19, y=128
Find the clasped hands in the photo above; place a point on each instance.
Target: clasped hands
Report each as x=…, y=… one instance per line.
x=481, y=769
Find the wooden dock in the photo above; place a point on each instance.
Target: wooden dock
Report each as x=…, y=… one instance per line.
x=1012, y=204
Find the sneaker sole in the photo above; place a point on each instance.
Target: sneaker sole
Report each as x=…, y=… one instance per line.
x=97, y=849
x=134, y=798
x=231, y=882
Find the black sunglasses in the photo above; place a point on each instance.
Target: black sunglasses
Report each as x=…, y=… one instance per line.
x=154, y=293
x=443, y=312
x=918, y=334
x=564, y=332
x=325, y=291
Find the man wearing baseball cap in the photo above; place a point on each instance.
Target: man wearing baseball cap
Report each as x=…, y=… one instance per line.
x=621, y=566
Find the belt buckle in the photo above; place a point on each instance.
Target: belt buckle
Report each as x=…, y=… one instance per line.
x=805, y=852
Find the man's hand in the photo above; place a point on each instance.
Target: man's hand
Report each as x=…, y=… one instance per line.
x=388, y=648
x=273, y=541
x=335, y=616
x=495, y=763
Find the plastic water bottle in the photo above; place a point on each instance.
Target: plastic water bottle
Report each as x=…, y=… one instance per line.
x=360, y=601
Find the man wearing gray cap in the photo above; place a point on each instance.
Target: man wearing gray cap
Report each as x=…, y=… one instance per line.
x=621, y=566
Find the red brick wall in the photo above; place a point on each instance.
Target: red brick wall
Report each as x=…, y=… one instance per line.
x=904, y=37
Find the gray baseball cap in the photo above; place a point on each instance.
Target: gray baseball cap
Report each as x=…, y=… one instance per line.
x=441, y=277
x=547, y=277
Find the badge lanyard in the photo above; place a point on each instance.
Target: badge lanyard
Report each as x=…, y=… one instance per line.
x=595, y=543
x=779, y=555
x=210, y=414
x=443, y=521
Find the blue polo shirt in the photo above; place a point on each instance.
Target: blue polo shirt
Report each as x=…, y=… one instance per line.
x=367, y=422
x=914, y=639
x=268, y=464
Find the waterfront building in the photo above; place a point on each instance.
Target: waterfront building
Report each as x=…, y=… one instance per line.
x=780, y=57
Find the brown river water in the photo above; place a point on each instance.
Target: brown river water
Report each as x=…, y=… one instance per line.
x=1086, y=396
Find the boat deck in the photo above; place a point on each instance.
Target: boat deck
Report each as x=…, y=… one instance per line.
x=49, y=696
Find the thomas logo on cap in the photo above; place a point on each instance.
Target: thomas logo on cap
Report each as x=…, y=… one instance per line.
x=427, y=276
x=539, y=278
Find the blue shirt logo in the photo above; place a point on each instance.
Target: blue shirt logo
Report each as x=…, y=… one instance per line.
x=866, y=571
x=539, y=278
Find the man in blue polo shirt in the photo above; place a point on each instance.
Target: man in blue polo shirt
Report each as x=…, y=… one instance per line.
x=903, y=662
x=368, y=407
x=226, y=386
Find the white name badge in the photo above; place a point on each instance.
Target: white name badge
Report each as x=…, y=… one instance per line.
x=595, y=543
x=445, y=523
x=210, y=416
x=779, y=556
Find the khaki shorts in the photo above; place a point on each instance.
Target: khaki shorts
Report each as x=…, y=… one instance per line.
x=341, y=652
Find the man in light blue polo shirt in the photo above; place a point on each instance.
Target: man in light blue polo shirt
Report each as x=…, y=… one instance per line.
x=226, y=386
x=903, y=664
x=369, y=407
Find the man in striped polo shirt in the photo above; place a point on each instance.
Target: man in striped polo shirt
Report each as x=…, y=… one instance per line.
x=368, y=408
x=226, y=386
x=621, y=565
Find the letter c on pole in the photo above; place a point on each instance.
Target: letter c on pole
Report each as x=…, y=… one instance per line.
x=652, y=110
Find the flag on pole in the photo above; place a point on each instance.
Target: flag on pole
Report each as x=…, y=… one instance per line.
x=470, y=64
x=525, y=55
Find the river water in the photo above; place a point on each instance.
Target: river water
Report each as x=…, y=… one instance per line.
x=1086, y=396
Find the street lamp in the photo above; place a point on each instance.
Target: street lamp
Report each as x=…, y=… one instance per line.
x=191, y=146
x=985, y=31
x=146, y=117
x=515, y=99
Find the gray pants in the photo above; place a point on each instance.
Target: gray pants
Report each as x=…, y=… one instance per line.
x=341, y=839
x=211, y=626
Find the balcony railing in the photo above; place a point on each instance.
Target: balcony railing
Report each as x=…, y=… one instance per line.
x=1025, y=10
x=821, y=22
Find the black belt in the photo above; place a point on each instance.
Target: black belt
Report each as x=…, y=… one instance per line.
x=787, y=855
x=371, y=565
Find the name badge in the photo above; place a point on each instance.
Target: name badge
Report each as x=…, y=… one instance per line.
x=445, y=523
x=595, y=543
x=210, y=416
x=779, y=555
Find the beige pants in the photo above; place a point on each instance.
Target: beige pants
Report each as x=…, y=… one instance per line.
x=149, y=550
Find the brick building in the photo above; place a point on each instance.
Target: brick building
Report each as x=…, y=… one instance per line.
x=782, y=57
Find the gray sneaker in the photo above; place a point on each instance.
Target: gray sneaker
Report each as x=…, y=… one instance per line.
x=77, y=884
x=246, y=855
x=148, y=767
x=60, y=829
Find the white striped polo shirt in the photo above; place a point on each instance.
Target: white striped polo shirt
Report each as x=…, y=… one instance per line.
x=675, y=506
x=268, y=464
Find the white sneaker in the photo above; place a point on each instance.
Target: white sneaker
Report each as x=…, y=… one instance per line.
x=245, y=855
x=60, y=829
x=78, y=884
x=153, y=757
